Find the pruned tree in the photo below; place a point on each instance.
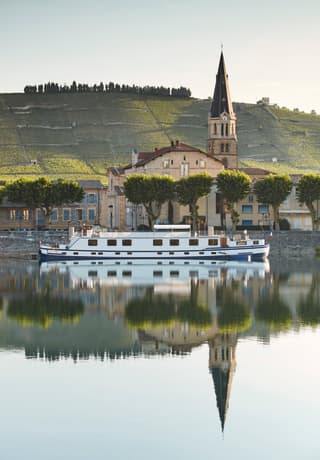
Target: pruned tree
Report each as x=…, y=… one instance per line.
x=273, y=190
x=190, y=189
x=44, y=194
x=150, y=191
x=308, y=193
x=233, y=186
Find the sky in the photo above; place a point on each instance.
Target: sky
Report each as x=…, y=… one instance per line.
x=271, y=47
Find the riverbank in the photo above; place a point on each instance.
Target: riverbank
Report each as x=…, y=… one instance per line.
x=25, y=245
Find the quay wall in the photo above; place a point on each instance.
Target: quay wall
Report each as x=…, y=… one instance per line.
x=286, y=243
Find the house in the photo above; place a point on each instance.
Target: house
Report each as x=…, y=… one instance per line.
x=176, y=160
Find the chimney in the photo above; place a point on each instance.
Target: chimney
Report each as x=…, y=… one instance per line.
x=134, y=157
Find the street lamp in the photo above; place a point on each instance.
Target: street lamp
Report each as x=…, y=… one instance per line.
x=111, y=216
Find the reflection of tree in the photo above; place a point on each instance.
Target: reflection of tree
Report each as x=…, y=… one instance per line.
x=42, y=309
x=274, y=312
x=233, y=315
x=272, y=309
x=150, y=310
x=309, y=308
x=155, y=309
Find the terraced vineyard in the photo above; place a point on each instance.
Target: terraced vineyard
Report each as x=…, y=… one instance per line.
x=78, y=136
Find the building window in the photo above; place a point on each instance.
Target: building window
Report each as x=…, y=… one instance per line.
x=54, y=215
x=250, y=198
x=91, y=214
x=247, y=209
x=202, y=164
x=66, y=214
x=215, y=129
x=227, y=130
x=227, y=148
x=166, y=163
x=263, y=209
x=171, y=162
x=222, y=148
x=92, y=198
x=222, y=130
x=247, y=222
x=184, y=169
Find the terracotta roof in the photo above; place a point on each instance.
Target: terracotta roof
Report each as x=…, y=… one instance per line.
x=86, y=184
x=145, y=157
x=256, y=171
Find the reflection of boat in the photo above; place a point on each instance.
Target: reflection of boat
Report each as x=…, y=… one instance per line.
x=166, y=242
x=150, y=272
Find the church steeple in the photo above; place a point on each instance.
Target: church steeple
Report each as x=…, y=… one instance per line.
x=221, y=102
x=222, y=137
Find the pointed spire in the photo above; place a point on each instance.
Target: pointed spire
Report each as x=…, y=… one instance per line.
x=221, y=96
x=221, y=382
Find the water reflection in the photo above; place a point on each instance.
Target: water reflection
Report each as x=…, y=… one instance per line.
x=106, y=311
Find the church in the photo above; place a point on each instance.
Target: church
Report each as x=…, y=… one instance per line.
x=180, y=160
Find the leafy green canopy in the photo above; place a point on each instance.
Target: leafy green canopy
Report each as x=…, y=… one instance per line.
x=44, y=194
x=233, y=186
x=273, y=190
x=308, y=193
x=151, y=191
x=190, y=189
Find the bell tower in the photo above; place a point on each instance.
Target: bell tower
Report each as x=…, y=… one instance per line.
x=222, y=136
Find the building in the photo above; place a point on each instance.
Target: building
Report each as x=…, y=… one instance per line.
x=222, y=128
x=92, y=210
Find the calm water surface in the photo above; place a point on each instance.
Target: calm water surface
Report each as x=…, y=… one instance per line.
x=164, y=361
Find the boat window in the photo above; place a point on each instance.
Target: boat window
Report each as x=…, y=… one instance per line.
x=159, y=253
x=174, y=242
x=193, y=274
x=255, y=242
x=112, y=273
x=174, y=273
x=186, y=253
x=75, y=253
x=241, y=243
x=213, y=242
x=201, y=252
x=92, y=273
x=92, y=242
x=127, y=273
x=126, y=242
x=112, y=242
x=193, y=242
x=171, y=253
x=157, y=273
x=157, y=242
x=93, y=253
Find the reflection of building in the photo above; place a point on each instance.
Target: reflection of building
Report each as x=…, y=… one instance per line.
x=222, y=364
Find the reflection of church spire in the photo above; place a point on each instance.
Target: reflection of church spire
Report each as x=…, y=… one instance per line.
x=222, y=366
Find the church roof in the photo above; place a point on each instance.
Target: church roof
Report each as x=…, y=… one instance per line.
x=145, y=157
x=221, y=97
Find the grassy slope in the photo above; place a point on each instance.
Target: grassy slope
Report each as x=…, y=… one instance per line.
x=80, y=135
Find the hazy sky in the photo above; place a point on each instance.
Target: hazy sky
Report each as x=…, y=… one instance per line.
x=271, y=47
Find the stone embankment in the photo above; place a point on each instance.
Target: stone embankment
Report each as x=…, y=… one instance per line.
x=24, y=245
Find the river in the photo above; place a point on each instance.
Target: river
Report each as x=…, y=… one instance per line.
x=160, y=361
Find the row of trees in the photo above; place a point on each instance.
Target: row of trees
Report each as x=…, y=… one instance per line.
x=111, y=87
x=43, y=194
x=153, y=191
x=234, y=186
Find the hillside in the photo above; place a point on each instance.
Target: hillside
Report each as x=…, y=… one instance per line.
x=80, y=135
